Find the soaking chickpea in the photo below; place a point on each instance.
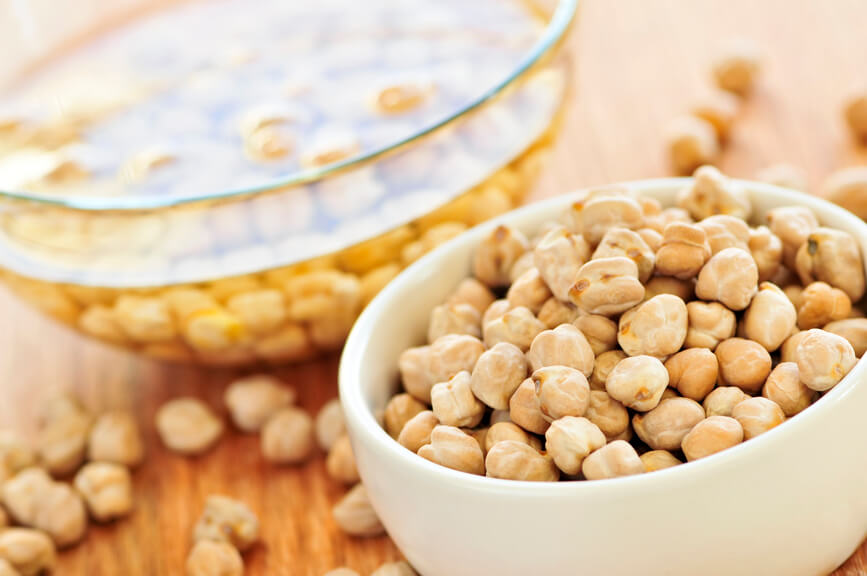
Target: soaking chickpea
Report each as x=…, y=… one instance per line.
x=565, y=345
x=497, y=374
x=455, y=449
x=691, y=142
x=355, y=515
x=722, y=401
x=604, y=212
x=711, y=435
x=188, y=426
x=454, y=319
x=684, y=251
x=502, y=431
x=693, y=372
x=664, y=427
x=658, y=460
x=767, y=250
x=613, y=460
x=737, y=68
x=784, y=387
x=513, y=460
x=711, y=192
x=471, y=291
x=822, y=304
x=622, y=242
x=288, y=436
x=683, y=289
x=555, y=312
x=770, y=317
x=209, y=557
x=719, y=108
x=416, y=432
x=529, y=290
x=561, y=391
x=656, y=327
x=524, y=409
x=453, y=403
x=106, y=489
x=832, y=256
x=743, y=363
x=852, y=329
x=421, y=368
x=730, y=277
x=252, y=400
x=605, y=362
x=823, y=359
x=601, y=332
x=607, y=286
x=496, y=255
x=638, y=382
x=517, y=326
x=558, y=256
x=399, y=410
x=757, y=416
x=570, y=439
x=724, y=231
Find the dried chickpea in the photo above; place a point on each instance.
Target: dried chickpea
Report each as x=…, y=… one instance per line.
x=558, y=256
x=227, y=520
x=832, y=256
x=724, y=231
x=658, y=222
x=600, y=332
x=288, y=437
x=329, y=424
x=30, y=552
x=730, y=277
x=340, y=463
x=4, y=518
x=784, y=175
x=638, y=382
x=555, y=312
x=855, y=113
x=664, y=427
x=355, y=515
x=757, y=416
x=613, y=460
x=770, y=317
x=821, y=304
x=495, y=311
x=521, y=265
x=524, y=409
x=513, y=460
x=252, y=400
x=453, y=448
x=210, y=558
x=792, y=225
x=62, y=442
x=719, y=108
x=710, y=193
x=784, y=387
x=622, y=242
x=115, y=437
x=106, y=489
x=709, y=324
x=607, y=413
x=767, y=250
x=188, y=426
x=454, y=319
x=497, y=253
x=743, y=363
x=480, y=435
x=607, y=286
x=691, y=142
x=497, y=374
x=711, y=435
x=502, y=431
x=471, y=291
x=401, y=568
x=604, y=212
x=499, y=416
x=517, y=326
x=33, y=499
x=605, y=362
x=823, y=359
x=658, y=460
x=6, y=569
x=399, y=410
x=693, y=372
x=852, y=329
x=574, y=219
x=565, y=345
x=529, y=291
x=652, y=238
x=453, y=403
x=737, y=68
x=561, y=391
x=569, y=440
x=656, y=327
x=684, y=251
x=722, y=401
x=683, y=289
x=15, y=455
x=416, y=432
x=848, y=188
x=421, y=368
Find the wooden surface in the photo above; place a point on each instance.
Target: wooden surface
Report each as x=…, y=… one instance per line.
x=639, y=63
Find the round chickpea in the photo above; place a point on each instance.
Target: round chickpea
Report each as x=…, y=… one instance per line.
x=329, y=424
x=558, y=256
x=790, y=347
x=600, y=331
x=848, y=188
x=622, y=242
x=711, y=192
x=529, y=290
x=521, y=265
x=724, y=231
x=652, y=238
x=737, y=68
x=832, y=256
x=555, y=312
x=501, y=431
x=115, y=437
x=570, y=440
x=497, y=374
x=512, y=460
x=517, y=326
x=209, y=557
x=416, y=432
x=422, y=367
x=722, y=401
x=607, y=413
x=524, y=409
x=605, y=362
x=719, y=108
x=784, y=387
x=743, y=363
x=355, y=515
x=34, y=499
x=711, y=435
x=561, y=391
x=664, y=427
x=730, y=277
x=770, y=317
x=821, y=304
x=399, y=410
x=658, y=460
x=471, y=291
x=188, y=426
x=757, y=416
x=495, y=311
x=607, y=286
x=852, y=329
x=684, y=251
x=254, y=399
x=656, y=327
x=691, y=142
x=496, y=255
x=106, y=489
x=683, y=289
x=30, y=552
x=288, y=436
x=453, y=448
x=565, y=345
x=767, y=250
x=454, y=404
x=613, y=460
x=784, y=175
x=15, y=455
x=824, y=359
x=454, y=319
x=658, y=222
x=792, y=224
x=638, y=382
x=855, y=113
x=340, y=463
x=603, y=212
x=693, y=372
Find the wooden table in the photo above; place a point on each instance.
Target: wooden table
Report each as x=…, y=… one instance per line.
x=639, y=63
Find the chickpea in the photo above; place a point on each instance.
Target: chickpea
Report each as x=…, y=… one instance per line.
x=654, y=328
x=691, y=142
x=561, y=391
x=683, y=289
x=601, y=332
x=453, y=448
x=115, y=437
x=401, y=568
x=622, y=242
x=144, y=319
x=743, y=363
x=848, y=188
x=252, y=400
x=852, y=329
x=355, y=515
x=374, y=281
x=824, y=359
x=792, y=224
x=684, y=251
x=471, y=291
x=785, y=176
x=517, y=326
x=62, y=442
x=784, y=387
x=495, y=311
x=652, y=238
x=638, y=382
x=421, y=368
x=497, y=374
x=602, y=213
x=730, y=277
x=399, y=410
x=524, y=408
x=33, y=499
x=521, y=265
x=480, y=435
x=329, y=424
x=767, y=250
x=574, y=218
x=15, y=455
x=106, y=489
x=288, y=437
x=658, y=460
x=722, y=401
x=664, y=427
x=30, y=552
x=513, y=460
x=607, y=286
x=209, y=557
x=605, y=362
x=737, y=68
x=454, y=404
x=565, y=345
x=260, y=311
x=693, y=372
x=613, y=460
x=711, y=435
x=821, y=304
x=454, y=319
x=499, y=416
x=188, y=426
x=790, y=346
x=502, y=431
x=757, y=416
x=555, y=312
x=668, y=216
x=720, y=109
x=570, y=439
x=416, y=432
x=770, y=318
x=496, y=255
x=558, y=256
x=340, y=463
x=832, y=256
x=529, y=290
x=855, y=113
x=724, y=231
x=711, y=192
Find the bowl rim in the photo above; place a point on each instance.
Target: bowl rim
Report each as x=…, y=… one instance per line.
x=372, y=434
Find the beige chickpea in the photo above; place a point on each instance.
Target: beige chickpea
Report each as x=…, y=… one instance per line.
x=340, y=462
x=720, y=109
x=570, y=439
x=652, y=238
x=664, y=427
x=480, y=435
x=288, y=436
x=737, y=68
x=770, y=317
x=605, y=362
x=30, y=552
x=329, y=424
x=260, y=311
x=784, y=387
x=471, y=291
x=453, y=448
x=602, y=213
x=33, y=499
x=613, y=460
x=499, y=416
x=710, y=193
x=343, y=571
x=658, y=222
x=683, y=289
x=454, y=404
x=15, y=455
x=767, y=250
x=574, y=219
x=555, y=312
x=524, y=409
x=188, y=426
x=115, y=437
x=529, y=291
x=823, y=359
x=638, y=382
x=855, y=112
x=725, y=231
x=421, y=368
x=416, y=432
x=401, y=568
x=399, y=410
x=730, y=277
x=848, y=188
x=693, y=372
x=821, y=304
x=607, y=286
x=62, y=442
x=355, y=515
x=496, y=254
x=683, y=252
x=622, y=242
x=454, y=319
x=106, y=489
x=607, y=413
x=565, y=345
x=658, y=460
x=794, y=292
x=721, y=401
x=600, y=332
x=743, y=363
x=252, y=400
x=757, y=416
x=792, y=225
x=784, y=175
x=495, y=311
x=656, y=327
x=521, y=265
x=691, y=142
x=512, y=460
x=497, y=374
x=145, y=319
x=832, y=256
x=852, y=329
x=372, y=282
x=502, y=431
x=517, y=326
x=558, y=256
x=711, y=435
x=209, y=557
x=561, y=391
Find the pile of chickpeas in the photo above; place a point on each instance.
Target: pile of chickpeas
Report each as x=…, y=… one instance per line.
x=625, y=338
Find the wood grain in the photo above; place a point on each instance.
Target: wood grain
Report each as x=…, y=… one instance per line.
x=638, y=63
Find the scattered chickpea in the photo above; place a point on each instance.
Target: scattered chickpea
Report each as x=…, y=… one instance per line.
x=737, y=68
x=852, y=329
x=569, y=440
x=607, y=286
x=565, y=345
x=495, y=311
x=524, y=409
x=329, y=424
x=399, y=410
x=824, y=359
x=743, y=363
x=106, y=489
x=252, y=400
x=454, y=319
x=340, y=463
x=558, y=256
x=30, y=552
x=33, y=499
x=784, y=175
x=684, y=251
x=453, y=403
x=453, y=448
x=517, y=326
x=210, y=557
x=693, y=372
x=401, y=568
x=855, y=113
x=658, y=460
x=607, y=413
x=757, y=416
x=605, y=362
x=711, y=435
x=638, y=382
x=720, y=109
x=115, y=437
x=625, y=243
x=227, y=520
x=188, y=426
x=770, y=317
x=848, y=188
x=711, y=193
x=288, y=436
x=416, y=432
x=821, y=304
x=15, y=455
x=513, y=460
x=561, y=391
x=62, y=441
x=355, y=515
x=529, y=290
x=613, y=460
x=496, y=255
x=600, y=332
x=656, y=327
x=832, y=256
x=691, y=142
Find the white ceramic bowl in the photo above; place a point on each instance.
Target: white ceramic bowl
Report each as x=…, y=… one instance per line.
x=790, y=502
